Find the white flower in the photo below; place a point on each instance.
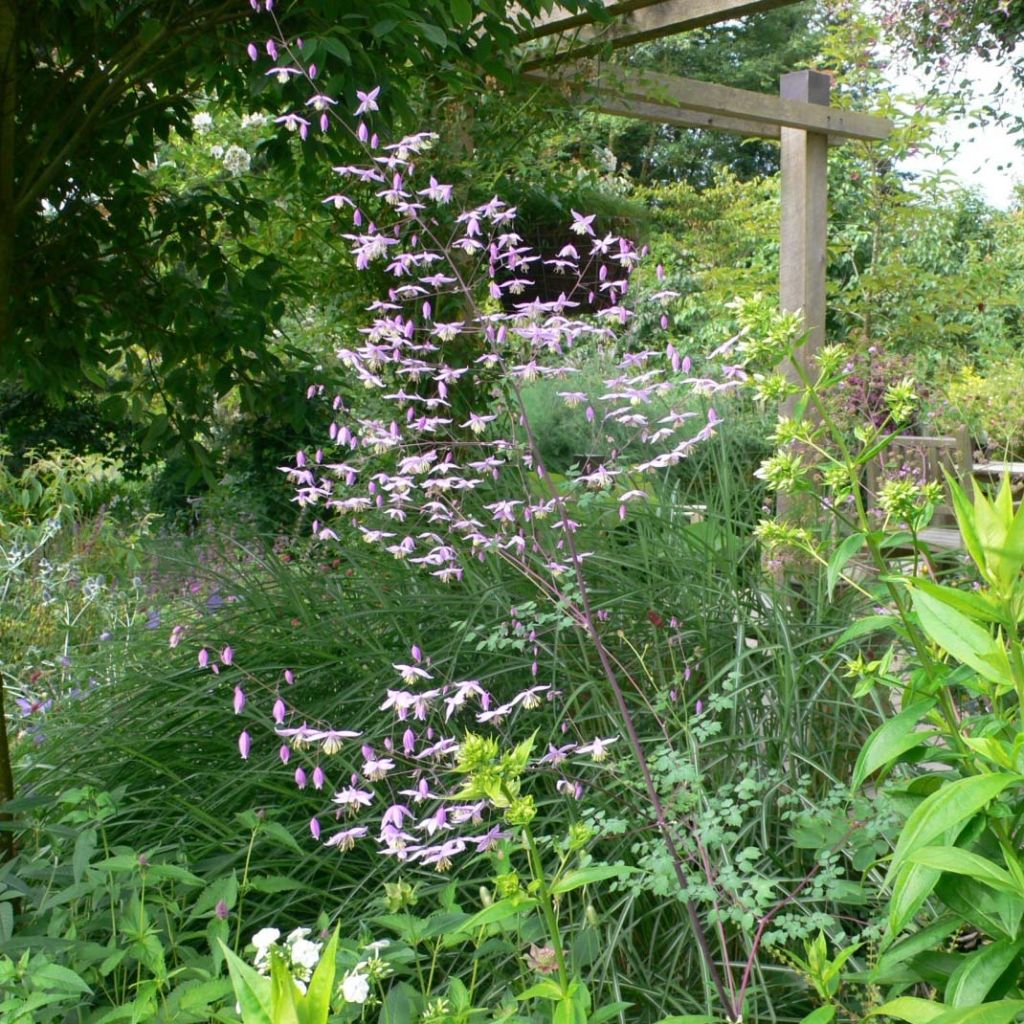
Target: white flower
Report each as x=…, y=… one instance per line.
x=293, y=936
x=305, y=953
x=236, y=160
x=202, y=122
x=265, y=938
x=355, y=988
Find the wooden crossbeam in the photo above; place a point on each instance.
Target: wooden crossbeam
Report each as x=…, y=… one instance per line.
x=663, y=113
x=637, y=21
x=719, y=101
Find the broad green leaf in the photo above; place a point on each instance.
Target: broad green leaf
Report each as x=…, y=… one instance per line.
x=964, y=512
x=964, y=862
x=315, y=1006
x=822, y=1015
x=564, y=1012
x=918, y=942
x=996, y=751
x=972, y=603
x=891, y=739
x=950, y=805
x=840, y=557
x=910, y=1009
x=283, y=993
x=913, y=886
x=398, y=1007
x=606, y=1013
x=462, y=11
x=971, y=982
x=1001, y=1012
x=961, y=637
x=272, y=884
x=586, y=876
x=252, y=990
x=862, y=627
x=57, y=977
x=546, y=989
x=996, y=913
x=497, y=912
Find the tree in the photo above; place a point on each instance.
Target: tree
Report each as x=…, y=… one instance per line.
x=106, y=274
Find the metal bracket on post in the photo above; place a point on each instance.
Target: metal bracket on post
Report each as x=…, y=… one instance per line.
x=804, y=237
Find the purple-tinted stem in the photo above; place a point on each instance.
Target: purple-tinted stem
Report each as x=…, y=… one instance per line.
x=728, y=999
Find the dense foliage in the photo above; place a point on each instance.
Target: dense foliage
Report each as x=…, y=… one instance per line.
x=480, y=680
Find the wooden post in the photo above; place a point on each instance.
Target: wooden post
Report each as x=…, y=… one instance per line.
x=802, y=250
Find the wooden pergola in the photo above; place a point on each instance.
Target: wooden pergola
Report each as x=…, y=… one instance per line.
x=800, y=117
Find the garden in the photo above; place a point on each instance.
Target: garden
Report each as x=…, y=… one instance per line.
x=441, y=582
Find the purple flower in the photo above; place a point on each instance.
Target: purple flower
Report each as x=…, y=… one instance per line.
x=227, y=656
x=582, y=225
x=244, y=744
x=346, y=838
x=318, y=777
x=221, y=910
x=204, y=658
x=351, y=799
x=239, y=701
x=279, y=711
x=367, y=101
x=314, y=828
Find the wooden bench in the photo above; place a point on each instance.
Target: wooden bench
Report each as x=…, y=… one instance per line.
x=926, y=458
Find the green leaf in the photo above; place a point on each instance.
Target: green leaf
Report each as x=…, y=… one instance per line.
x=462, y=11
x=919, y=942
x=397, y=1007
x=961, y=637
x=546, y=989
x=972, y=603
x=272, y=884
x=608, y=1012
x=862, y=627
x=585, y=876
x=963, y=862
x=283, y=993
x=1001, y=1012
x=689, y=1018
x=964, y=512
x=315, y=1006
x=822, y=1015
x=910, y=1009
x=971, y=982
x=840, y=557
x=85, y=847
x=913, y=886
x=564, y=1012
x=950, y=805
x=252, y=990
x=497, y=912
x=54, y=976
x=890, y=740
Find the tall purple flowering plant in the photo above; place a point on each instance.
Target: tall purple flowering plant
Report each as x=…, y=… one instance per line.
x=446, y=470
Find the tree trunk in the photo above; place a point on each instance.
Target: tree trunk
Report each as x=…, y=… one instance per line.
x=8, y=68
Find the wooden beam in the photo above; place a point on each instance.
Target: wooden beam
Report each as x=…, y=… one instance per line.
x=639, y=22
x=662, y=113
x=684, y=14
x=718, y=100
x=804, y=235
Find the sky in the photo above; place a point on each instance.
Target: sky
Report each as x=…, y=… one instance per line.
x=987, y=158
